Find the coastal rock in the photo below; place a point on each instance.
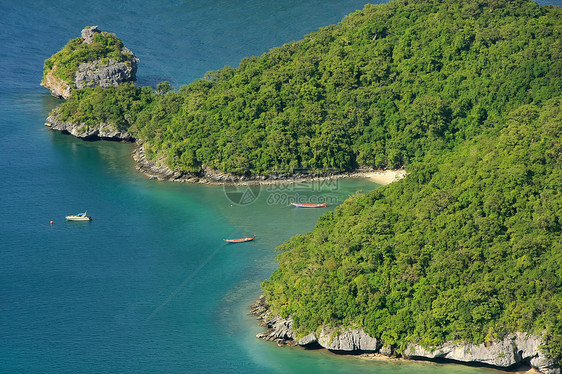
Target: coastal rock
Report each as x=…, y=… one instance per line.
x=103, y=131
x=347, y=340
x=544, y=365
x=512, y=350
x=338, y=339
x=103, y=73
x=157, y=169
x=386, y=350
x=282, y=328
x=528, y=348
x=308, y=340
x=58, y=87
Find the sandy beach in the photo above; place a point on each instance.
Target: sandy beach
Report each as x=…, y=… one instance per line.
x=384, y=176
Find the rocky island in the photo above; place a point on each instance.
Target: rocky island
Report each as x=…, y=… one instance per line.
x=462, y=259
x=95, y=59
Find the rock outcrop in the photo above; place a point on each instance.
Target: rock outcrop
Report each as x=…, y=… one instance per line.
x=58, y=87
x=348, y=340
x=514, y=349
x=105, y=72
x=518, y=349
x=103, y=131
x=335, y=339
x=87, y=34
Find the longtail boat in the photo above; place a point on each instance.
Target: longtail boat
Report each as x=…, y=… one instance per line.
x=300, y=205
x=241, y=240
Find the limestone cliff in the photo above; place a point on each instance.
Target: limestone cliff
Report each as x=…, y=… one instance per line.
x=514, y=349
x=104, y=71
x=519, y=348
x=334, y=339
x=57, y=86
x=101, y=131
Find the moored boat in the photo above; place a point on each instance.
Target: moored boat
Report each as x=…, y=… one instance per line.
x=241, y=240
x=78, y=217
x=300, y=205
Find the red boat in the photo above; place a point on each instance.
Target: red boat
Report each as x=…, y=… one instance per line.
x=299, y=205
x=241, y=240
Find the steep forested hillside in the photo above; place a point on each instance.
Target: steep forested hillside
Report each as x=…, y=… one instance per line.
x=467, y=247
x=380, y=89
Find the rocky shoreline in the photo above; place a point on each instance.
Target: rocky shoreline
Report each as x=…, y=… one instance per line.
x=516, y=350
x=158, y=170
x=102, y=131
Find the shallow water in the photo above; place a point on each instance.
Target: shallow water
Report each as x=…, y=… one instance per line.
x=148, y=285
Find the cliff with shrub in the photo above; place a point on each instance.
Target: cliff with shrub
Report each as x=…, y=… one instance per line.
x=96, y=59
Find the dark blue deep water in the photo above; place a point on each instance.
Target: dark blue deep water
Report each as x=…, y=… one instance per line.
x=148, y=286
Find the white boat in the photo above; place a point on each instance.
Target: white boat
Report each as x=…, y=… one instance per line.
x=78, y=217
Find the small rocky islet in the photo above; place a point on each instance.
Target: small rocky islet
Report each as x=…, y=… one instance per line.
x=89, y=69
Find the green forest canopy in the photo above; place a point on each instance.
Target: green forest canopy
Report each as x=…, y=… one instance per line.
x=465, y=94
x=381, y=89
x=466, y=247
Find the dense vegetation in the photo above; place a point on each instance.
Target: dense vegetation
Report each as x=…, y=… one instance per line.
x=64, y=64
x=466, y=94
x=380, y=89
x=468, y=246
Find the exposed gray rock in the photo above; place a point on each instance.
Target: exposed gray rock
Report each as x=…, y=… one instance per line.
x=88, y=33
x=157, y=169
x=105, y=74
x=528, y=348
x=347, y=340
x=544, y=364
x=282, y=328
x=516, y=349
x=102, y=131
x=513, y=349
x=498, y=354
x=307, y=340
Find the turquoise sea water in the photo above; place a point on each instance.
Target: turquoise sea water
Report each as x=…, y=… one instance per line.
x=148, y=285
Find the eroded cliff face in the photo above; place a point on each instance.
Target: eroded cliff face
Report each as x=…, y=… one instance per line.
x=102, y=131
x=515, y=349
x=102, y=73
x=58, y=87
x=334, y=339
